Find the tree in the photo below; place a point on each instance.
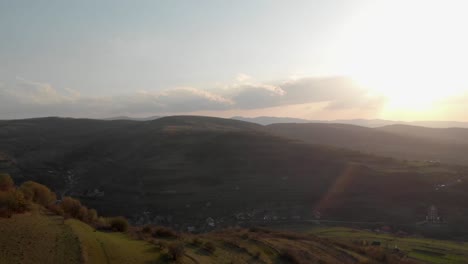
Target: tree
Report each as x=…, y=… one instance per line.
x=37, y=193
x=6, y=182
x=71, y=207
x=119, y=224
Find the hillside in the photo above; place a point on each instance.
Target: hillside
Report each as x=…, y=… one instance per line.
x=371, y=123
x=35, y=238
x=181, y=171
x=40, y=229
x=448, y=135
x=44, y=238
x=398, y=141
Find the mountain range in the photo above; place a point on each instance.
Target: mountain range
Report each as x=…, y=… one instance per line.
x=268, y=120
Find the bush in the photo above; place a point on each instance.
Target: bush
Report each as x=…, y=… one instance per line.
x=56, y=209
x=176, y=250
x=167, y=232
x=196, y=241
x=160, y=244
x=376, y=253
x=12, y=201
x=38, y=193
x=6, y=182
x=292, y=256
x=147, y=229
x=71, y=207
x=5, y=212
x=210, y=247
x=92, y=216
x=83, y=214
x=119, y=224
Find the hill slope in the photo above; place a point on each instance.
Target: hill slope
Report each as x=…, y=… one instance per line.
x=401, y=142
x=42, y=238
x=37, y=239
x=448, y=135
x=182, y=170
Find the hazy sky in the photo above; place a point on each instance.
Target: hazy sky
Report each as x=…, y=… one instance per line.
x=323, y=59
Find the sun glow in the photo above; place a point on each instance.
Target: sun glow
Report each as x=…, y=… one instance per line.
x=414, y=53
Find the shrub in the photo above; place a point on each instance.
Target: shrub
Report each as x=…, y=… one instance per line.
x=196, y=241
x=160, y=244
x=6, y=182
x=167, y=232
x=38, y=193
x=119, y=224
x=92, y=216
x=56, y=209
x=176, y=250
x=292, y=256
x=12, y=201
x=83, y=214
x=71, y=207
x=210, y=247
x=5, y=212
x=146, y=229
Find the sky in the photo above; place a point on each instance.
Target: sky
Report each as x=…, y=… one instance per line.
x=314, y=59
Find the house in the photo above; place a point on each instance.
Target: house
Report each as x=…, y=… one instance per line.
x=210, y=222
x=386, y=229
x=432, y=215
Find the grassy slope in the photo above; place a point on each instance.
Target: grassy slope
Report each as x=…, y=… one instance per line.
x=36, y=238
x=100, y=247
x=427, y=250
x=41, y=238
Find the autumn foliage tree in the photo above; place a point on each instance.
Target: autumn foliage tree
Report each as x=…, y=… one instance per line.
x=11, y=199
x=6, y=182
x=38, y=193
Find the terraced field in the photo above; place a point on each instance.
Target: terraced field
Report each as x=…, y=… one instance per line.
x=40, y=237
x=423, y=249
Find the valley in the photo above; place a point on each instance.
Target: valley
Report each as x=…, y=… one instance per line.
x=203, y=173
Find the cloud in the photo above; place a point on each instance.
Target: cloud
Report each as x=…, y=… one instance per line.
x=339, y=92
x=182, y=99
x=24, y=98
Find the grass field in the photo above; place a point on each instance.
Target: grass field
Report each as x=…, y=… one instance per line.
x=101, y=247
x=423, y=249
x=37, y=238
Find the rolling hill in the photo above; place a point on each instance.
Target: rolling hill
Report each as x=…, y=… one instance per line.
x=448, y=135
x=183, y=170
x=397, y=141
x=372, y=123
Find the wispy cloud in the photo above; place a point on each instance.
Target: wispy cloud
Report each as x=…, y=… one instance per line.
x=24, y=98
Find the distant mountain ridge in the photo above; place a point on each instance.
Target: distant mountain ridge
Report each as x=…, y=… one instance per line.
x=149, y=118
x=373, y=123
x=398, y=141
